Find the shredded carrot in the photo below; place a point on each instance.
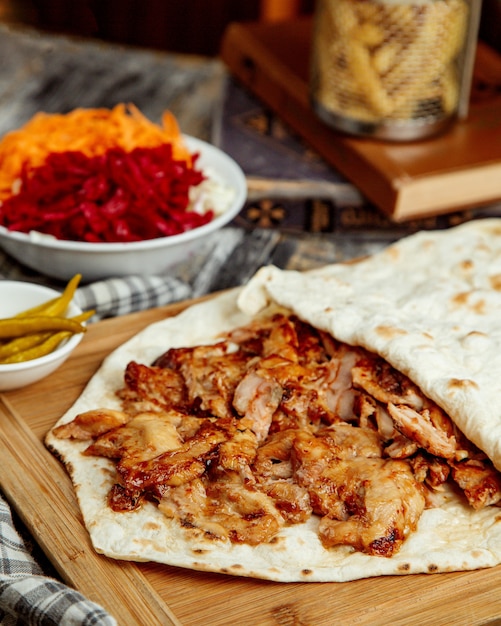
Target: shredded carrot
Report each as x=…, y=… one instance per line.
x=90, y=131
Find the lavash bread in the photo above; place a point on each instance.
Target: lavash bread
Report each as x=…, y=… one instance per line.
x=429, y=304
x=392, y=303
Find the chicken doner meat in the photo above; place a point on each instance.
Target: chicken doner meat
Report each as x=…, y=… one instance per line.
x=277, y=422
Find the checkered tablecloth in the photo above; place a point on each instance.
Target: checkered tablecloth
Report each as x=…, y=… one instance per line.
x=29, y=597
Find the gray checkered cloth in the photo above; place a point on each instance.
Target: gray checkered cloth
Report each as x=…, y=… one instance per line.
x=119, y=296
x=29, y=597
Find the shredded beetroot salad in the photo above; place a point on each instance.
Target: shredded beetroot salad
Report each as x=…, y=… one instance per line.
x=118, y=196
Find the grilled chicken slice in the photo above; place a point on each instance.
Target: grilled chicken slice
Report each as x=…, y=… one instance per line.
x=239, y=452
x=223, y=509
x=210, y=373
x=348, y=442
x=430, y=470
x=480, y=482
x=152, y=389
x=421, y=422
x=282, y=335
x=257, y=397
x=401, y=448
x=290, y=499
x=272, y=470
x=336, y=387
x=367, y=502
x=248, y=515
x=179, y=465
x=144, y=437
x=384, y=383
x=273, y=458
x=91, y=424
x=418, y=427
x=382, y=505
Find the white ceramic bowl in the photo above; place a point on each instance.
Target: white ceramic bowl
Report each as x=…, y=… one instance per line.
x=95, y=261
x=17, y=296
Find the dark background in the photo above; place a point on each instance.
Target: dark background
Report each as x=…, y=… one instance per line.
x=189, y=26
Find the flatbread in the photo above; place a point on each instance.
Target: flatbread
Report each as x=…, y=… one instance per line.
x=426, y=304
x=429, y=304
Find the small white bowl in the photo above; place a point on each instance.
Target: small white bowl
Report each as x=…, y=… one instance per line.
x=96, y=261
x=17, y=296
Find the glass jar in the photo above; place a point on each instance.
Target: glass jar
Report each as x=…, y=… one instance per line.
x=392, y=69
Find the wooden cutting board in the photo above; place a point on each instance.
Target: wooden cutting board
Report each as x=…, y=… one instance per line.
x=40, y=491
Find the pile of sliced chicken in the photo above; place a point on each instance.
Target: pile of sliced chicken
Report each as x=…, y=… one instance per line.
x=278, y=422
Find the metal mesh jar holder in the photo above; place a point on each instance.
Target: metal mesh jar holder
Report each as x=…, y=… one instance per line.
x=392, y=69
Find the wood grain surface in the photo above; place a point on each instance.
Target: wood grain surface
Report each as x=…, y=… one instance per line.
x=38, y=488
